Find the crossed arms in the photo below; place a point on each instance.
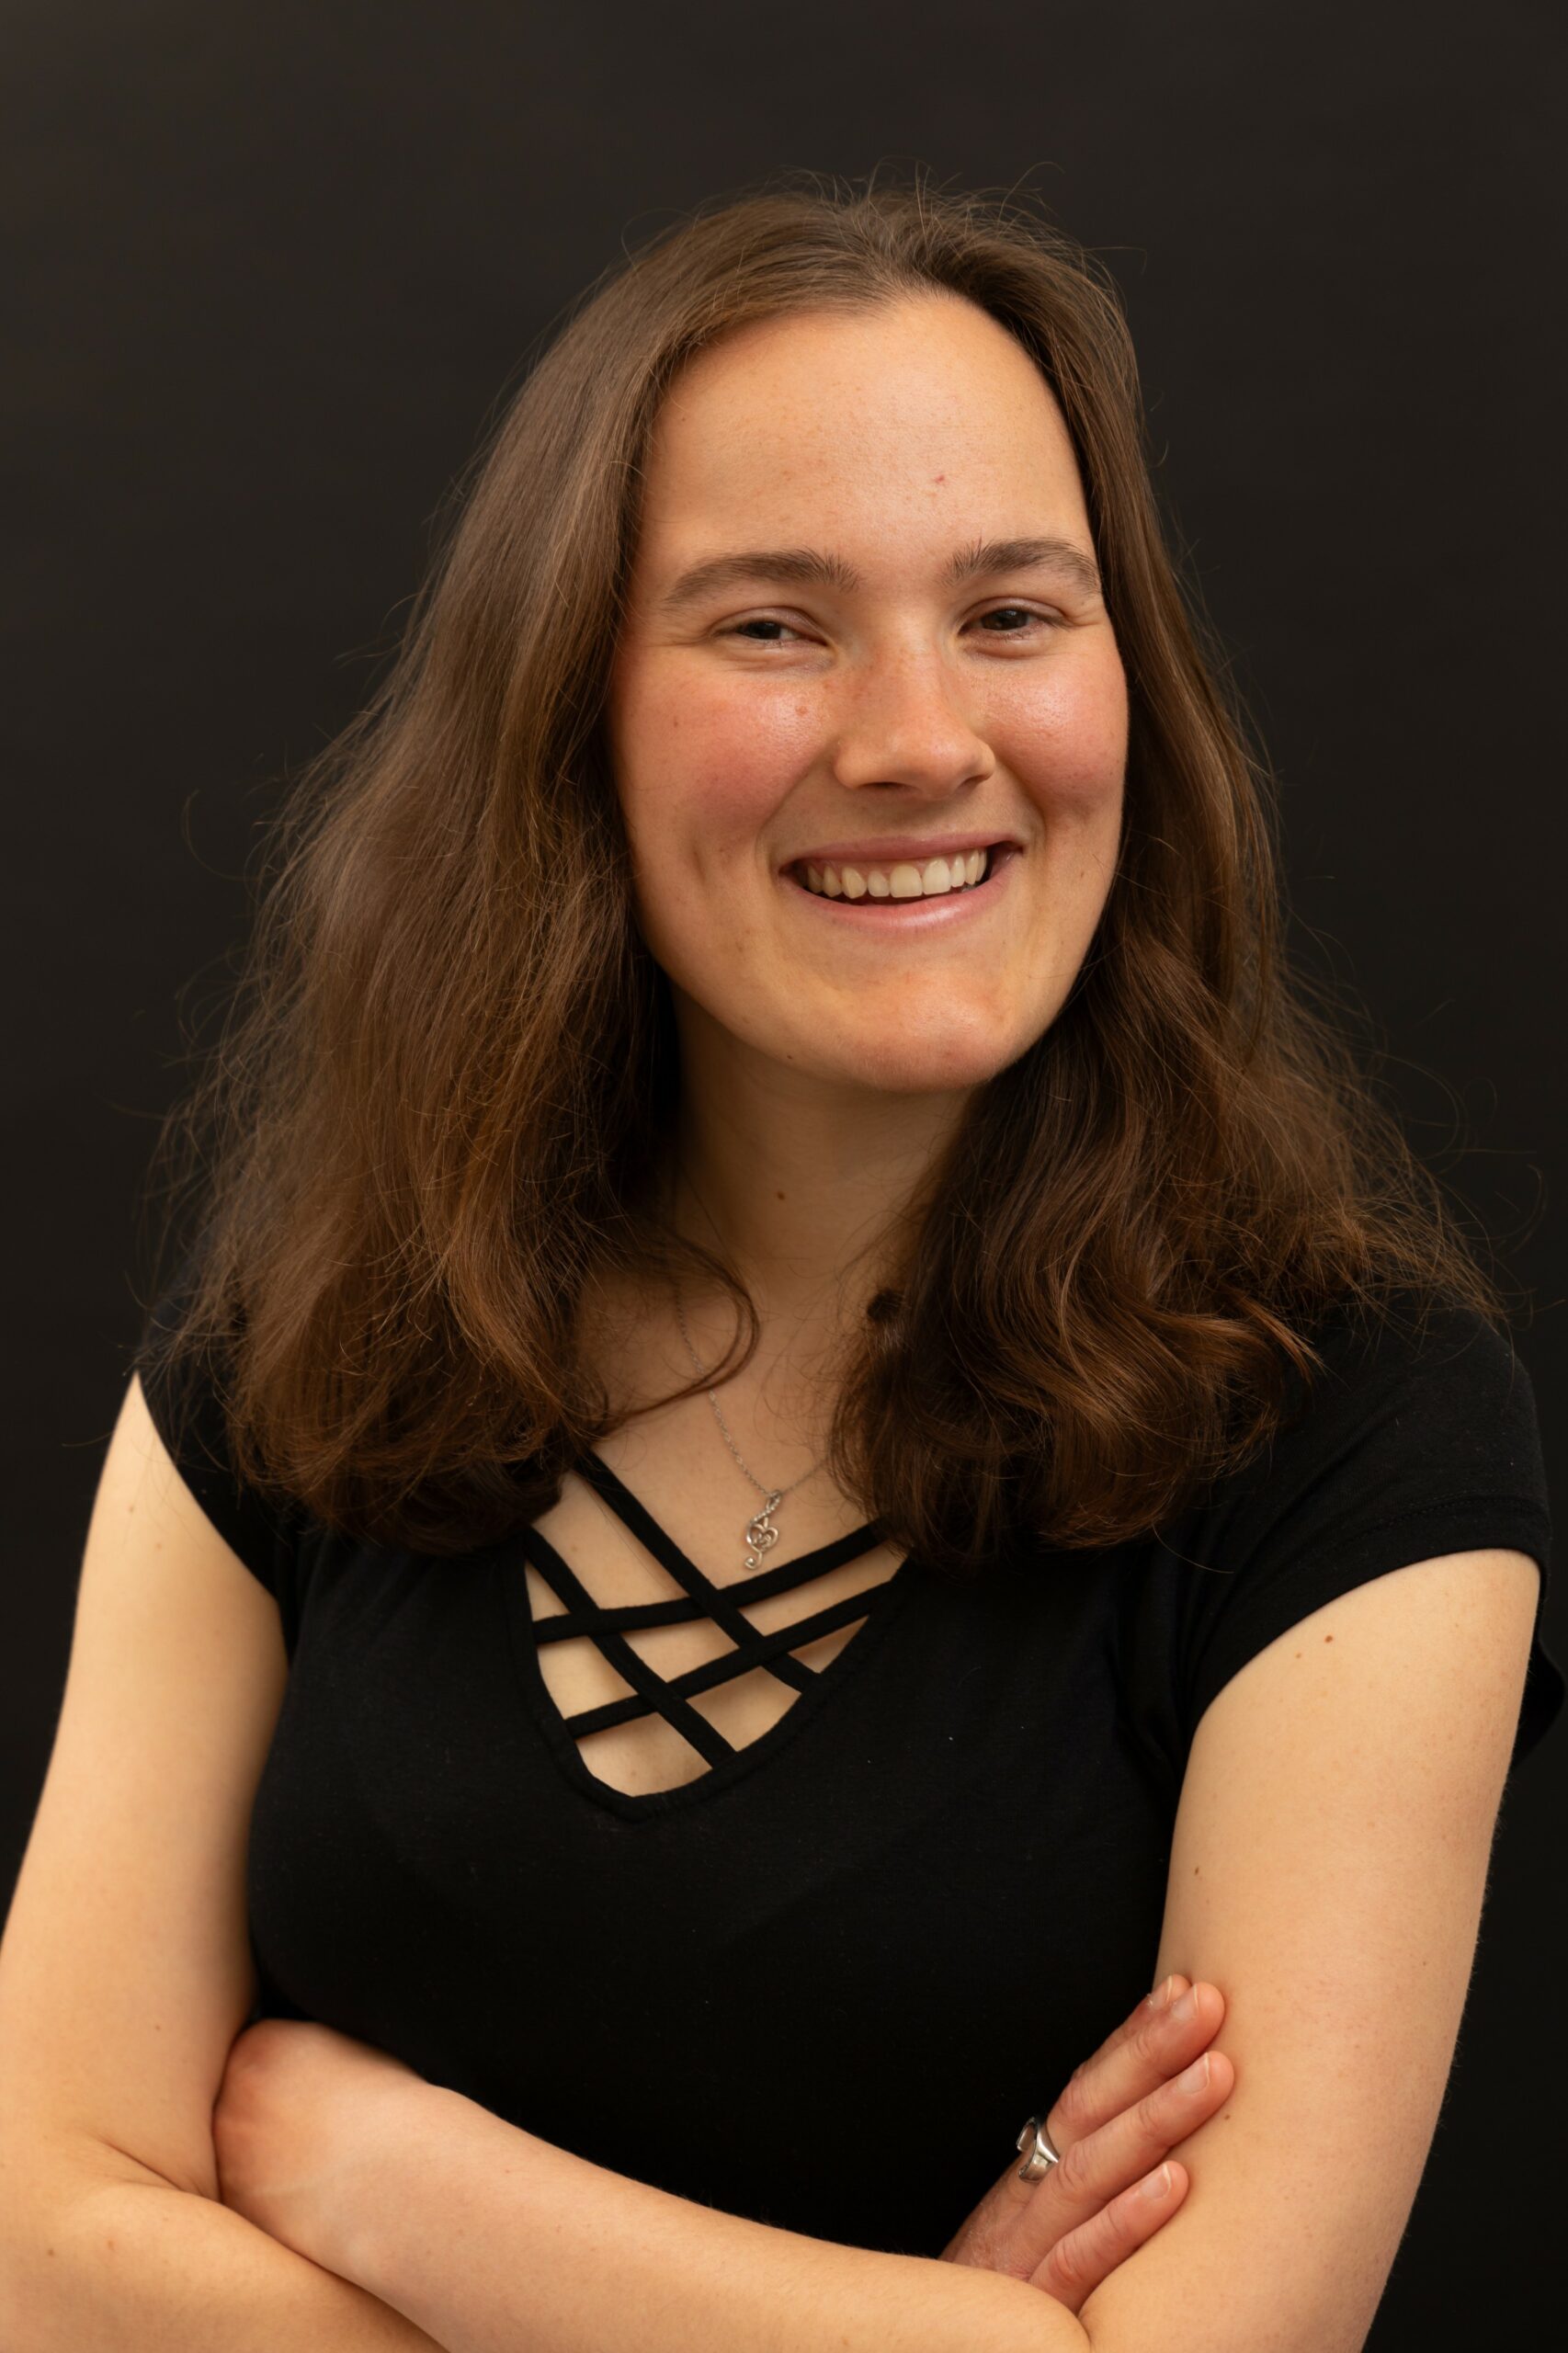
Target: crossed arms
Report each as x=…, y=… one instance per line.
x=1328, y=1872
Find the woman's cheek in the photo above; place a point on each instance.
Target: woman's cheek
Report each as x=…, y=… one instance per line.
x=710, y=773
x=1066, y=742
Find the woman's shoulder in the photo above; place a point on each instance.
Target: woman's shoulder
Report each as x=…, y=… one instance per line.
x=1419, y=1437
x=1416, y=1408
x=1422, y=1386
x=184, y=1383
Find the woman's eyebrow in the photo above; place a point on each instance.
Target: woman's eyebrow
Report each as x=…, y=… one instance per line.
x=815, y=568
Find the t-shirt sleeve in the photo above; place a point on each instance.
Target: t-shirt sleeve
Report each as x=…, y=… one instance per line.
x=1420, y=1439
x=187, y=1411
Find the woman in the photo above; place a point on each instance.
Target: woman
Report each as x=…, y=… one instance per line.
x=813, y=1432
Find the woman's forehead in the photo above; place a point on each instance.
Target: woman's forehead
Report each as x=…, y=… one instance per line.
x=819, y=419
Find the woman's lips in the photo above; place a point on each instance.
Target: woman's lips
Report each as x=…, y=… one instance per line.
x=901, y=916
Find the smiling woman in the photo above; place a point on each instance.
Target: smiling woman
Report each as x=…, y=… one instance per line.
x=807, y=1427
x=943, y=676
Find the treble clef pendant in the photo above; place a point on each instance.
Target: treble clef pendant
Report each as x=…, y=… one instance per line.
x=761, y=1534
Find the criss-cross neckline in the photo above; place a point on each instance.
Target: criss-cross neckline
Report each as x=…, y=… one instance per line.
x=670, y=1697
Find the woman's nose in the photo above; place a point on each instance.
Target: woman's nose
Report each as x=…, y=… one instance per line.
x=902, y=722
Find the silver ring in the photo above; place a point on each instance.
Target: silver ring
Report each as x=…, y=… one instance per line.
x=1041, y=2154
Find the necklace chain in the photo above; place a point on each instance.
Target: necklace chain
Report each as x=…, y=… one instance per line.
x=761, y=1534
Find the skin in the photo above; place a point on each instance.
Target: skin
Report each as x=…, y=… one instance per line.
x=775, y=716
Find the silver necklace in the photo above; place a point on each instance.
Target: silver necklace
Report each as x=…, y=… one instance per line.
x=761, y=1534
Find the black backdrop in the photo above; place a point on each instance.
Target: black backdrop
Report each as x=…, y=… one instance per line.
x=276, y=266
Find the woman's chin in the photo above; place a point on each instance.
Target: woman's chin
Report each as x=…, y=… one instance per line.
x=949, y=1065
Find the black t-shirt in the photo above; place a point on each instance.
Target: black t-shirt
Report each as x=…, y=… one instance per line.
x=822, y=1984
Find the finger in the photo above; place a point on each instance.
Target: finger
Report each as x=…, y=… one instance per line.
x=1076, y=2264
x=1100, y=2169
x=1150, y=2048
x=1147, y=2051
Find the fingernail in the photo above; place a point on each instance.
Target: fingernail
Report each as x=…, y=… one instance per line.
x=1154, y=2184
x=1196, y=2076
x=1161, y=1994
x=1187, y=2008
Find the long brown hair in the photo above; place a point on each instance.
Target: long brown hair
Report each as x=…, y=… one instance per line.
x=448, y=1068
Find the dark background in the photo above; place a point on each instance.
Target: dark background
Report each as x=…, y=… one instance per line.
x=278, y=264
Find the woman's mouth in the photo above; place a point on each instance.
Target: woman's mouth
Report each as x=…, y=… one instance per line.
x=904, y=894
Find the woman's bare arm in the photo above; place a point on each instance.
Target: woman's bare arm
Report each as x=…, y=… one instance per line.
x=526, y=2245
x=106, y=2261
x=125, y=1971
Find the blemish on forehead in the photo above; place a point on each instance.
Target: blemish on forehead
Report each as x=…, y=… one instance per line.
x=939, y=477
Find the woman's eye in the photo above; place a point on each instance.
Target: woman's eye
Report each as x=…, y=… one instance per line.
x=1018, y=613
x=740, y=628
x=1012, y=620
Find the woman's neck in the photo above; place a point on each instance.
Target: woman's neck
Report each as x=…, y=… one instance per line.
x=798, y=1183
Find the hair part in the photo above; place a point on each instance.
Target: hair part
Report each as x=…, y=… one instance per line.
x=429, y=1132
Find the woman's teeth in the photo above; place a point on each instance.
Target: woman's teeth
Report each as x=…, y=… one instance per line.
x=930, y=880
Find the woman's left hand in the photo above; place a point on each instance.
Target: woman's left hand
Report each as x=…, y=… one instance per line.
x=300, y=2115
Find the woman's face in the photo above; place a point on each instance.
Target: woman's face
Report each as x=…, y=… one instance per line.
x=840, y=666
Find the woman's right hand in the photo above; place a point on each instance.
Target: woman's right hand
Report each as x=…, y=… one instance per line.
x=1120, y=2114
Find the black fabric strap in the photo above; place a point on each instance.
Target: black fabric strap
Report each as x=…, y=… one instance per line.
x=581, y=1615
